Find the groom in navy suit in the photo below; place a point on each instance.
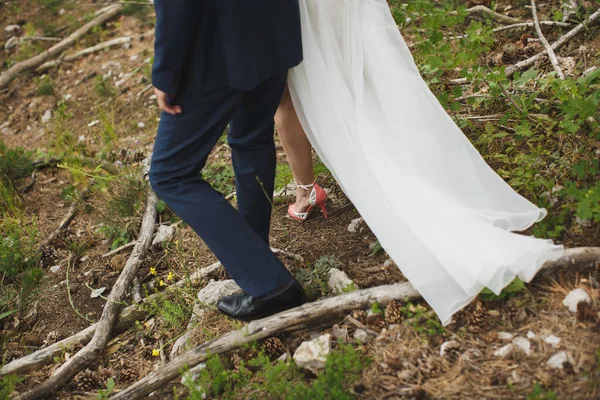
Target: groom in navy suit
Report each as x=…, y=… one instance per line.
x=220, y=62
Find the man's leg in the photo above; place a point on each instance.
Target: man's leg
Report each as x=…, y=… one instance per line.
x=182, y=146
x=253, y=152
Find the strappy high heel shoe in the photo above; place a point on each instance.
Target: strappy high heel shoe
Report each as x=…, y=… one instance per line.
x=318, y=197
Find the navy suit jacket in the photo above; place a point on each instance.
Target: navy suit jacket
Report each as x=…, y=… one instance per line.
x=203, y=45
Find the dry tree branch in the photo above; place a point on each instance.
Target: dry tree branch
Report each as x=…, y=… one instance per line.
x=577, y=258
x=93, y=350
x=29, y=64
x=93, y=49
x=297, y=318
x=560, y=42
x=495, y=16
x=570, y=8
x=545, y=43
x=312, y=314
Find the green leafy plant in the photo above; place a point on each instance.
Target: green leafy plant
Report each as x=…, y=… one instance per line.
x=220, y=176
x=260, y=378
x=8, y=385
x=104, y=87
x=45, y=86
x=515, y=287
x=540, y=393
x=15, y=163
x=104, y=394
x=314, y=279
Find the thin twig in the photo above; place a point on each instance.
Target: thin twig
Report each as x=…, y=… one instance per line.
x=545, y=43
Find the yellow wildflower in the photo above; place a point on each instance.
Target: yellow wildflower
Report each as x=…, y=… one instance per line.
x=152, y=271
x=170, y=277
x=162, y=283
x=155, y=352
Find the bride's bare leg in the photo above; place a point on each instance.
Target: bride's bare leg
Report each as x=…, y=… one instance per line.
x=297, y=148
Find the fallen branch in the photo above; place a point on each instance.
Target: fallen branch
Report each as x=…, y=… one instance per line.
x=306, y=315
x=560, y=42
x=118, y=250
x=531, y=25
x=91, y=50
x=579, y=258
x=294, y=319
x=570, y=8
x=15, y=41
x=137, y=290
x=495, y=16
x=66, y=221
x=34, y=62
x=126, y=319
x=90, y=353
x=545, y=43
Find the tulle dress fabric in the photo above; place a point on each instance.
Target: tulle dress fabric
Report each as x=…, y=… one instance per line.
x=442, y=214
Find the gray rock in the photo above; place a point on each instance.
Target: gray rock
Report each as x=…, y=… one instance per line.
x=505, y=336
x=552, y=340
x=338, y=281
x=164, y=233
x=355, y=225
x=11, y=43
x=361, y=336
x=312, y=355
x=340, y=333
x=54, y=269
x=12, y=28
x=46, y=117
x=523, y=344
x=557, y=360
x=504, y=351
x=212, y=292
x=575, y=297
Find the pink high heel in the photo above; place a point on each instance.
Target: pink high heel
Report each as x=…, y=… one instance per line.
x=318, y=197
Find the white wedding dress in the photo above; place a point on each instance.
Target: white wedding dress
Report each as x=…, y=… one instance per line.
x=441, y=213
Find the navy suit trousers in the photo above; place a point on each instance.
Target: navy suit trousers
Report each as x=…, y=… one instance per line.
x=239, y=238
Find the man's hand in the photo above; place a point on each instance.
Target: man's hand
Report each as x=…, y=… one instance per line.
x=162, y=98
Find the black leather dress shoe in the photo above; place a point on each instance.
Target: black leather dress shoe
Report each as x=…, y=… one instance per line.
x=246, y=308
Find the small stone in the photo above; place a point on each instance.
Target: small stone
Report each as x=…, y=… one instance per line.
x=515, y=376
x=153, y=97
x=81, y=138
x=54, y=269
x=355, y=225
x=193, y=374
x=94, y=123
x=557, y=360
x=530, y=335
x=134, y=57
x=46, y=117
x=97, y=292
x=283, y=357
x=12, y=28
x=312, y=355
x=164, y=233
x=141, y=125
x=574, y=297
x=339, y=282
x=61, y=11
x=147, y=60
x=340, y=333
x=212, y=292
x=361, y=336
x=552, y=340
x=447, y=346
x=504, y=351
x=523, y=344
x=505, y=336
x=404, y=375
x=10, y=43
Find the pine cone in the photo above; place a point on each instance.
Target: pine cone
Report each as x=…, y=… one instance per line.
x=273, y=347
x=530, y=51
x=127, y=374
x=360, y=316
x=509, y=57
x=48, y=256
x=376, y=321
x=89, y=380
x=393, y=313
x=476, y=316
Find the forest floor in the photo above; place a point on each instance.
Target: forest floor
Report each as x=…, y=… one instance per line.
x=92, y=122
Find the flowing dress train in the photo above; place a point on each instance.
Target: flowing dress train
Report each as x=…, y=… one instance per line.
x=442, y=214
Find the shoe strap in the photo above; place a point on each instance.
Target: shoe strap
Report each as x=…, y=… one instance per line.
x=306, y=187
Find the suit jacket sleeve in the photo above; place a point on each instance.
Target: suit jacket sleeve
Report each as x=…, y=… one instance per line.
x=176, y=24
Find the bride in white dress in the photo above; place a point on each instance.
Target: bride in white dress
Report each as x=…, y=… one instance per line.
x=442, y=214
